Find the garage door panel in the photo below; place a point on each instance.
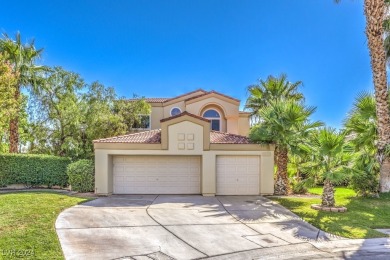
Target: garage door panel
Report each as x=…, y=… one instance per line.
x=156, y=174
x=238, y=175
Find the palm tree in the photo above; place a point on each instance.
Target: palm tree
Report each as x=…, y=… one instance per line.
x=286, y=124
x=22, y=57
x=329, y=160
x=376, y=23
x=273, y=89
x=375, y=16
x=361, y=129
x=361, y=122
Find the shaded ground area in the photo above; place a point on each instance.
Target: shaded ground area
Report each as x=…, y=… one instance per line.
x=363, y=217
x=193, y=227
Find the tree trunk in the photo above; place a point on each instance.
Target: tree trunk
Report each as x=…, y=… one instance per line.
x=328, y=194
x=375, y=12
x=281, y=184
x=14, y=126
x=384, y=181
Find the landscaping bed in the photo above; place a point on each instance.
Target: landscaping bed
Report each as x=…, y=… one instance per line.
x=363, y=216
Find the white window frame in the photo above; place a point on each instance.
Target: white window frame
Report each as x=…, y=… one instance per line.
x=170, y=112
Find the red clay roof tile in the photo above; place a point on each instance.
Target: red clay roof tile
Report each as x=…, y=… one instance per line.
x=226, y=138
x=148, y=137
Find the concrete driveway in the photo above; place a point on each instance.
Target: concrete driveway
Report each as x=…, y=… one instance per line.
x=193, y=227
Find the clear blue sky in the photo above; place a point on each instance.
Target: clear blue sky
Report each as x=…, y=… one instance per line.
x=168, y=47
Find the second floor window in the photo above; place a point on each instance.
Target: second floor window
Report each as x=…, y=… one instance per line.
x=142, y=122
x=215, y=119
x=175, y=111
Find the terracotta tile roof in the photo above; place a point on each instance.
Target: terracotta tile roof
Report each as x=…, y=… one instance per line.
x=156, y=100
x=150, y=100
x=226, y=138
x=183, y=114
x=162, y=100
x=154, y=137
x=212, y=92
x=148, y=137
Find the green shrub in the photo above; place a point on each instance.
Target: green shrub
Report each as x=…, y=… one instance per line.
x=33, y=170
x=365, y=180
x=364, y=175
x=298, y=186
x=81, y=175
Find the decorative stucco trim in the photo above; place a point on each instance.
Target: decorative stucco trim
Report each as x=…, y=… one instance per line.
x=185, y=116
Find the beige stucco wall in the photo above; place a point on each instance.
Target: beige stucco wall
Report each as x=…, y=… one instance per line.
x=156, y=115
x=243, y=125
x=167, y=108
x=196, y=107
x=185, y=138
x=232, y=121
x=228, y=111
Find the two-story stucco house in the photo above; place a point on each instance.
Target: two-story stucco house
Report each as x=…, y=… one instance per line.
x=195, y=143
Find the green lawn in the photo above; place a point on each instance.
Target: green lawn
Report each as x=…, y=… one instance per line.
x=363, y=215
x=27, y=224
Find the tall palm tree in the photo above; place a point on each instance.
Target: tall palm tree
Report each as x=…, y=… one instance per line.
x=375, y=11
x=376, y=22
x=378, y=35
x=23, y=58
x=286, y=124
x=272, y=89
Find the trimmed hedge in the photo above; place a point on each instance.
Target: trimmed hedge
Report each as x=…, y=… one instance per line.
x=82, y=175
x=33, y=170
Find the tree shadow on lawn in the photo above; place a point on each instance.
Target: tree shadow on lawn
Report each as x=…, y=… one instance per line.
x=362, y=216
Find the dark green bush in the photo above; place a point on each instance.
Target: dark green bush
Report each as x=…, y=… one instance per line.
x=33, y=170
x=82, y=175
x=365, y=177
x=298, y=186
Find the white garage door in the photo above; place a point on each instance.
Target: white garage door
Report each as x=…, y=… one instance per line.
x=238, y=175
x=156, y=174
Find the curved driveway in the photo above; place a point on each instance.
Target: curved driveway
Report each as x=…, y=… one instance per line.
x=190, y=227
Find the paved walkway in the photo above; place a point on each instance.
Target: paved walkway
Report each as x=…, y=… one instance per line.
x=196, y=227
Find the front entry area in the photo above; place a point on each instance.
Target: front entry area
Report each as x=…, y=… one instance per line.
x=156, y=174
x=238, y=175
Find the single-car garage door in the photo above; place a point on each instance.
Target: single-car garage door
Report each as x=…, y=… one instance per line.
x=238, y=175
x=156, y=174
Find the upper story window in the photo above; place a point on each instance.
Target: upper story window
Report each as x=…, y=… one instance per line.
x=175, y=111
x=143, y=122
x=214, y=117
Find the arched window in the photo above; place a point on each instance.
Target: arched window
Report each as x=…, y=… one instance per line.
x=175, y=111
x=214, y=117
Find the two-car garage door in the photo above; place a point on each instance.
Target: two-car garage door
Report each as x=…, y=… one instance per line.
x=156, y=174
